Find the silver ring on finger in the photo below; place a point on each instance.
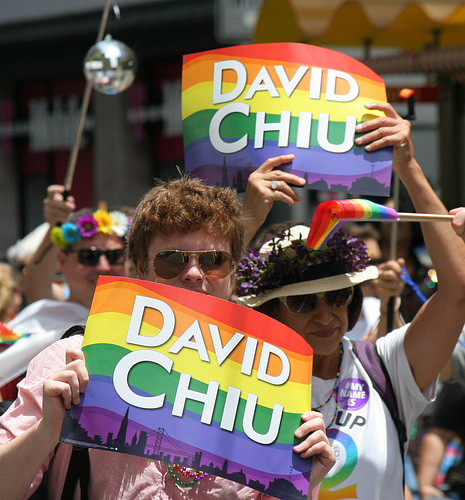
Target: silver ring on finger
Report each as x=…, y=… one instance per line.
x=274, y=185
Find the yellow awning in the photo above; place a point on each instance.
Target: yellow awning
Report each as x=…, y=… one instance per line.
x=406, y=24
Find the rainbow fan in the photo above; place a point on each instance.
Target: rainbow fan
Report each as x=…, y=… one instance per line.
x=330, y=215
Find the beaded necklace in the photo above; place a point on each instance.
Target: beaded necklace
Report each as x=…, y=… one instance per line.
x=193, y=475
x=335, y=388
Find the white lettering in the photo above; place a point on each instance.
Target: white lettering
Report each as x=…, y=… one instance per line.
x=323, y=130
x=282, y=127
x=262, y=82
x=290, y=85
x=121, y=374
x=222, y=352
x=214, y=129
x=331, y=81
x=345, y=393
x=304, y=129
x=140, y=303
x=218, y=69
x=231, y=405
x=208, y=399
x=249, y=414
x=316, y=77
x=249, y=355
x=198, y=344
x=267, y=350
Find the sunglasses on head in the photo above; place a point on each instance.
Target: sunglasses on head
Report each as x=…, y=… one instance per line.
x=90, y=257
x=215, y=264
x=305, y=304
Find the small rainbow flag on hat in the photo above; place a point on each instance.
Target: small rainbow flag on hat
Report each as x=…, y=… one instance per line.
x=330, y=215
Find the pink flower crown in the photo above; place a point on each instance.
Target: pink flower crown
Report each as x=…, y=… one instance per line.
x=88, y=225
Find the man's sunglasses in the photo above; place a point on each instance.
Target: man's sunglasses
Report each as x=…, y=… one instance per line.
x=215, y=264
x=305, y=304
x=90, y=257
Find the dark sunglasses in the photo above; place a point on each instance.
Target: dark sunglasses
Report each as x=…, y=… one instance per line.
x=90, y=257
x=215, y=264
x=305, y=304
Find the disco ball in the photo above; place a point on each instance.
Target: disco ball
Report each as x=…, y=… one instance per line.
x=110, y=66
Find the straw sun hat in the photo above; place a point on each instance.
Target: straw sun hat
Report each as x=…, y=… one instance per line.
x=286, y=266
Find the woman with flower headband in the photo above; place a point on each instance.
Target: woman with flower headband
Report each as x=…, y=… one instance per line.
x=317, y=293
x=88, y=244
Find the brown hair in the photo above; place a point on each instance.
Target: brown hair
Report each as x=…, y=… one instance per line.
x=186, y=205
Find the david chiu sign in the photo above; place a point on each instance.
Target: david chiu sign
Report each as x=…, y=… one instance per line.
x=186, y=378
x=242, y=105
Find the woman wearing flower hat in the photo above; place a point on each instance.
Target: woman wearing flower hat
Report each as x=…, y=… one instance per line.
x=317, y=293
x=89, y=243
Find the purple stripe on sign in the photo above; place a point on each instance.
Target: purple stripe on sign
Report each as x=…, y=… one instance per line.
x=189, y=430
x=355, y=169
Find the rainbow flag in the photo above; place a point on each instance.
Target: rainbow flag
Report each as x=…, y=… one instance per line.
x=8, y=337
x=330, y=215
x=244, y=104
x=182, y=377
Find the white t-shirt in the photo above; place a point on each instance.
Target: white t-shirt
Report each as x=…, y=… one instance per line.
x=363, y=436
x=46, y=320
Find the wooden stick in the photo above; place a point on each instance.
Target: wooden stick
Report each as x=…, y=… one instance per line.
x=413, y=217
x=404, y=217
x=83, y=111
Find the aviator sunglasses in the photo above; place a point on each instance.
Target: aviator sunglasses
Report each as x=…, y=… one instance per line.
x=215, y=264
x=305, y=304
x=90, y=257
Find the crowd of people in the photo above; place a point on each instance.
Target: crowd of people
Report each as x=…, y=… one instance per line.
x=189, y=235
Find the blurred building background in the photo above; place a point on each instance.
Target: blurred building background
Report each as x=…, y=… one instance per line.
x=133, y=137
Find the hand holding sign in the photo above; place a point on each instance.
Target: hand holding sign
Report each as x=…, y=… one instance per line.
x=270, y=183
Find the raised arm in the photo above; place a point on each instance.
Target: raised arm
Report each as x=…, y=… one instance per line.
x=266, y=185
x=433, y=333
x=28, y=451
x=40, y=270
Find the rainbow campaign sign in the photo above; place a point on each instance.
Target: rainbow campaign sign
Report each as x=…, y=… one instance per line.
x=244, y=104
x=186, y=378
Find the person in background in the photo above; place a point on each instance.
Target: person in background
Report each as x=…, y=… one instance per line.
x=444, y=429
x=41, y=272
x=88, y=244
x=184, y=234
x=373, y=321
x=417, y=266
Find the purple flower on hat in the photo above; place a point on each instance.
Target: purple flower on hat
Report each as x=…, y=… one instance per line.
x=87, y=226
x=287, y=263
